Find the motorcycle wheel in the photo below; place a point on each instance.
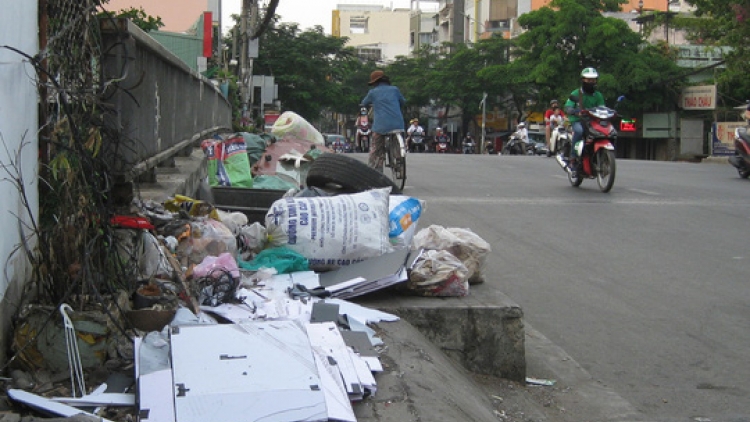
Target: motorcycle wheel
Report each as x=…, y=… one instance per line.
x=744, y=173
x=605, y=168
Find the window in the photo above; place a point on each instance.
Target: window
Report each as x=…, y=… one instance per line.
x=358, y=24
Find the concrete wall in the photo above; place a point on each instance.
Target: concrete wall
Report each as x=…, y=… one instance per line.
x=163, y=104
x=18, y=133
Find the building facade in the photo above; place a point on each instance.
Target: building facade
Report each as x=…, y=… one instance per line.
x=377, y=32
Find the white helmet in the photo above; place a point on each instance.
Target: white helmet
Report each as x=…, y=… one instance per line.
x=522, y=124
x=589, y=73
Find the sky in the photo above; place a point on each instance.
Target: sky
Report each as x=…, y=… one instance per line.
x=307, y=13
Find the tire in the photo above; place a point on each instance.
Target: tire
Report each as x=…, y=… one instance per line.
x=398, y=164
x=350, y=174
x=605, y=168
x=744, y=173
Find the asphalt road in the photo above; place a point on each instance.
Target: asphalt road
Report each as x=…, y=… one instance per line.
x=647, y=287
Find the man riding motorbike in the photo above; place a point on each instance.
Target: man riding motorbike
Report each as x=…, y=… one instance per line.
x=415, y=135
x=469, y=144
x=581, y=99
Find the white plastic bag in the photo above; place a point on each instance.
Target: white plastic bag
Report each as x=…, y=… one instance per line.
x=332, y=230
x=464, y=244
x=292, y=125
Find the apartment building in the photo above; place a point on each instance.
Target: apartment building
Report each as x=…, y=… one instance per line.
x=377, y=32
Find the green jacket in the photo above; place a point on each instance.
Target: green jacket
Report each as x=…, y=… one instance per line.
x=589, y=101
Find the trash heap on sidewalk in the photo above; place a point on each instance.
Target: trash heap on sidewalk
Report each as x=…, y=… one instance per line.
x=236, y=320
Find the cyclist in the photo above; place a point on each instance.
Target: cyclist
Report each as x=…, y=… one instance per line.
x=386, y=101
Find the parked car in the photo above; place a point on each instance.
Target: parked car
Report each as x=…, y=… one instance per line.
x=336, y=142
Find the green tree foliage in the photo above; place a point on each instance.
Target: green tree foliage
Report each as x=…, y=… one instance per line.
x=139, y=17
x=725, y=23
x=314, y=72
x=572, y=34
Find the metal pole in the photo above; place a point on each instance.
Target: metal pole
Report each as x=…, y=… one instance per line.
x=484, y=118
x=243, y=56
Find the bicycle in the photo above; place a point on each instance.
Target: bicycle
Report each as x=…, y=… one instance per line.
x=395, y=157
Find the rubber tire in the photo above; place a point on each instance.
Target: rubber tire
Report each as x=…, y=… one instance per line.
x=349, y=173
x=609, y=156
x=395, y=152
x=743, y=173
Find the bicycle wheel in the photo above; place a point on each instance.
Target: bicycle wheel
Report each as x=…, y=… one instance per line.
x=397, y=162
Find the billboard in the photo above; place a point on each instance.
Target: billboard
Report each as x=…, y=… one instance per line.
x=722, y=137
x=701, y=97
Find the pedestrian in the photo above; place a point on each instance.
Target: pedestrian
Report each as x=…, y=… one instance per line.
x=386, y=101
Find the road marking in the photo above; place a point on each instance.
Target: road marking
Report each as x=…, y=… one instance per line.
x=645, y=192
x=603, y=199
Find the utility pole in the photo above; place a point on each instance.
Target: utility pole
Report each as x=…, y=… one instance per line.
x=248, y=26
x=484, y=117
x=244, y=42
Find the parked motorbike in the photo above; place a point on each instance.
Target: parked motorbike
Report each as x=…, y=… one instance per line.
x=559, y=136
x=596, y=151
x=514, y=146
x=442, y=145
x=741, y=158
x=469, y=146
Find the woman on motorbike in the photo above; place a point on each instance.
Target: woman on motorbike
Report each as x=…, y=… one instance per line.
x=581, y=99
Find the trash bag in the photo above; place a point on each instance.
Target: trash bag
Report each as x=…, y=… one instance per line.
x=267, y=181
x=228, y=162
x=438, y=273
x=292, y=125
x=284, y=260
x=464, y=244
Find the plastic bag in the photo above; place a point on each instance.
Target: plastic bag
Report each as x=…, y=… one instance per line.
x=292, y=125
x=403, y=216
x=206, y=237
x=213, y=266
x=464, y=244
x=438, y=273
x=228, y=163
x=284, y=260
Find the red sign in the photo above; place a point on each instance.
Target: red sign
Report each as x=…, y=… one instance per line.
x=270, y=119
x=627, y=125
x=208, y=34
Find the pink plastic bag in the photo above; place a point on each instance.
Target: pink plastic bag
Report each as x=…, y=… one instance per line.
x=215, y=265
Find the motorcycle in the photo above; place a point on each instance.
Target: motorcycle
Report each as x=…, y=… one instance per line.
x=741, y=158
x=442, y=145
x=468, y=145
x=515, y=146
x=416, y=142
x=560, y=136
x=363, y=131
x=596, y=151
x=489, y=146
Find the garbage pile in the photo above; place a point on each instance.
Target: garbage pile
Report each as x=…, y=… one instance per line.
x=230, y=319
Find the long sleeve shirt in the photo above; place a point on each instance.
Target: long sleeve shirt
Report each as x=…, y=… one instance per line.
x=386, y=101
